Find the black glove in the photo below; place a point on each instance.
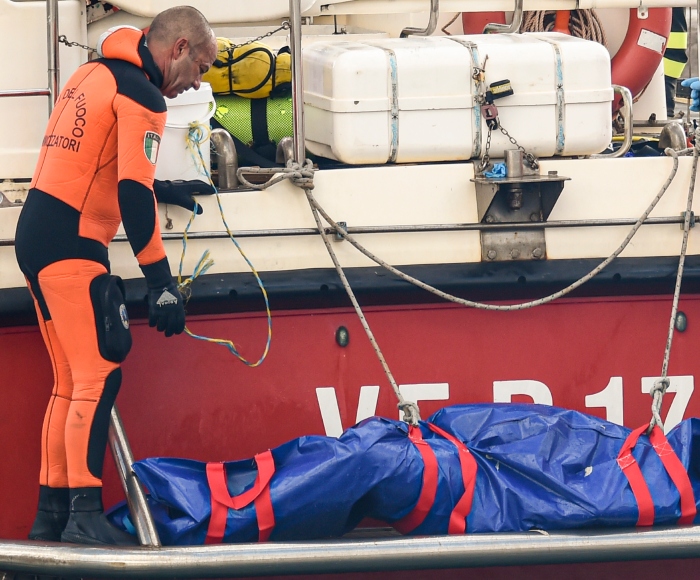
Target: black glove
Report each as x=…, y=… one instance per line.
x=181, y=192
x=166, y=310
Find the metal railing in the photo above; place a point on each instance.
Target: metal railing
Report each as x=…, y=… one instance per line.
x=53, y=64
x=358, y=555
x=432, y=22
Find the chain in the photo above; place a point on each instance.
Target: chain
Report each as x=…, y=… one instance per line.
x=479, y=75
x=529, y=157
x=285, y=26
x=62, y=38
x=485, y=159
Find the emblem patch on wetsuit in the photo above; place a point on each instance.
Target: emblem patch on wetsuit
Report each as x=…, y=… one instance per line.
x=123, y=316
x=151, y=143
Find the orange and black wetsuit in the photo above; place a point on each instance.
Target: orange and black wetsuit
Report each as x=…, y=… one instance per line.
x=95, y=170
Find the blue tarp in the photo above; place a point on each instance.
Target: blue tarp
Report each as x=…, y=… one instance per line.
x=538, y=467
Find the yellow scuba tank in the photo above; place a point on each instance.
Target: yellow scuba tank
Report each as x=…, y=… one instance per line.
x=252, y=71
x=255, y=122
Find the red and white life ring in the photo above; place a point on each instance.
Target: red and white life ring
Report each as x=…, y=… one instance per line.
x=637, y=59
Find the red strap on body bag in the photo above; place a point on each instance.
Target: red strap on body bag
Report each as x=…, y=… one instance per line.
x=673, y=467
x=426, y=499
x=221, y=500
x=458, y=517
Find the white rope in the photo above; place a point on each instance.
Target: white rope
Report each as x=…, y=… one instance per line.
x=661, y=385
x=524, y=305
x=302, y=176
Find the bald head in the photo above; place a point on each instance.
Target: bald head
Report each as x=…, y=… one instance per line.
x=183, y=46
x=180, y=22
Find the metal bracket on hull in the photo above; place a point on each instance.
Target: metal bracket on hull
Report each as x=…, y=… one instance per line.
x=524, y=196
x=529, y=198
x=508, y=245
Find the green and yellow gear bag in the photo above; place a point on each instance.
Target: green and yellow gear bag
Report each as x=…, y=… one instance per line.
x=253, y=71
x=255, y=122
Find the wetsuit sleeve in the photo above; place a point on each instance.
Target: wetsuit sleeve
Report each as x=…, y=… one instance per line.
x=140, y=127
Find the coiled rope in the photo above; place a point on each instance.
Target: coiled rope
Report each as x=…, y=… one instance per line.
x=198, y=134
x=582, y=24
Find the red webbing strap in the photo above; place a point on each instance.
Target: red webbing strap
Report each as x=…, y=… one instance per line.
x=221, y=500
x=415, y=517
x=458, y=517
x=630, y=468
x=677, y=473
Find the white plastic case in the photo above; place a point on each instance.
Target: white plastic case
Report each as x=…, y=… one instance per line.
x=408, y=100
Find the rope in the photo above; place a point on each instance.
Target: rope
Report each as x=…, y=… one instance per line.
x=510, y=307
x=302, y=176
x=299, y=174
x=661, y=385
x=583, y=24
x=197, y=134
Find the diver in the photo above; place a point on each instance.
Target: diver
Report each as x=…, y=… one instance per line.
x=96, y=169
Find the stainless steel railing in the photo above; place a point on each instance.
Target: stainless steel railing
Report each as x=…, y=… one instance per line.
x=53, y=64
x=346, y=555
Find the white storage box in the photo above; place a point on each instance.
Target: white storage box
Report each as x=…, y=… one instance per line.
x=412, y=99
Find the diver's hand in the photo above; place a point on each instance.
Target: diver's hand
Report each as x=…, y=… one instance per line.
x=694, y=85
x=166, y=310
x=181, y=192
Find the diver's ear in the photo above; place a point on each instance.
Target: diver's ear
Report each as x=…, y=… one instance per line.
x=179, y=47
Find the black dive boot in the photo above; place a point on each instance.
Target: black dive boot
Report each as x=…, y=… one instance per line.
x=52, y=514
x=87, y=523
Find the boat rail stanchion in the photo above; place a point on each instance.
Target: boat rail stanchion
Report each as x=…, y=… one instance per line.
x=514, y=25
x=227, y=158
x=135, y=496
x=627, y=116
x=52, y=50
x=432, y=22
x=52, y=53
x=297, y=81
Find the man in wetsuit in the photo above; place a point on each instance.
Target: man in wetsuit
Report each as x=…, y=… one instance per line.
x=95, y=170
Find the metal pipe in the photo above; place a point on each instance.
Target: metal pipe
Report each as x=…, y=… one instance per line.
x=432, y=22
x=374, y=554
x=26, y=93
x=52, y=50
x=627, y=116
x=135, y=496
x=297, y=81
x=514, y=25
x=285, y=150
x=408, y=229
x=393, y=7
x=655, y=122
x=227, y=158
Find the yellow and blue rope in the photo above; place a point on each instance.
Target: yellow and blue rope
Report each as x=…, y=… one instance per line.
x=197, y=134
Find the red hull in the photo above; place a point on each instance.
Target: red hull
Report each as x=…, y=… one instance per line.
x=182, y=397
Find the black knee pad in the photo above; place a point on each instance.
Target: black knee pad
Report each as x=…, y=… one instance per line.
x=111, y=318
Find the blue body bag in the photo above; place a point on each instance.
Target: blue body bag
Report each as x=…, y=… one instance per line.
x=473, y=468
